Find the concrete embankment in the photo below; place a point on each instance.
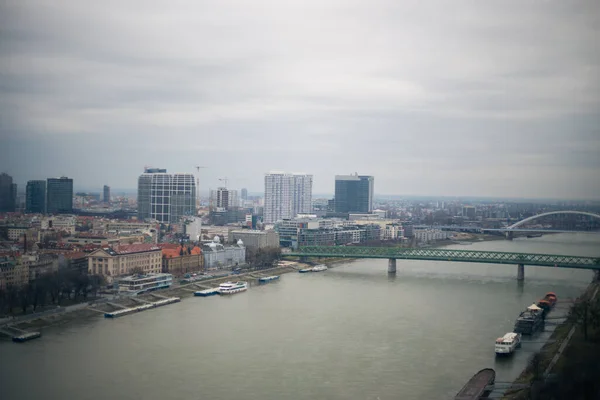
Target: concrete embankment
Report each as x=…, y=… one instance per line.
x=550, y=355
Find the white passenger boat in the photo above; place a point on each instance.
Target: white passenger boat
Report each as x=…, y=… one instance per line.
x=233, y=287
x=319, y=268
x=507, y=344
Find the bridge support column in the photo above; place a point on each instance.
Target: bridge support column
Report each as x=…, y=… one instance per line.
x=392, y=266
x=509, y=235
x=520, y=272
x=303, y=259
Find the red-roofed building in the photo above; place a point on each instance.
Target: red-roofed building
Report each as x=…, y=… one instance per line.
x=182, y=260
x=125, y=260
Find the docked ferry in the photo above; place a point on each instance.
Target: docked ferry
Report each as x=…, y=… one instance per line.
x=530, y=320
x=233, y=287
x=507, y=344
x=319, y=268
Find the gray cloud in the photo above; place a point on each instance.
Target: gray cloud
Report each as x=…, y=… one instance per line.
x=458, y=98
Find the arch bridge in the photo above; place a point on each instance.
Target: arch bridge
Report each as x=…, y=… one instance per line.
x=475, y=256
x=516, y=227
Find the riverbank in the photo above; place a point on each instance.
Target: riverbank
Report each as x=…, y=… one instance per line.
x=552, y=359
x=96, y=309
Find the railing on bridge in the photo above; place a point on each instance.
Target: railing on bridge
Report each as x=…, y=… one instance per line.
x=490, y=257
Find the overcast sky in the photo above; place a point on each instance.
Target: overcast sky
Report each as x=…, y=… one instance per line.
x=484, y=98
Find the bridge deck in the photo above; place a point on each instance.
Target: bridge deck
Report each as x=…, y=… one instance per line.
x=489, y=257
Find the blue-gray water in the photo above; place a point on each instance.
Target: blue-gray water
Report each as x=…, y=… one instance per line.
x=347, y=333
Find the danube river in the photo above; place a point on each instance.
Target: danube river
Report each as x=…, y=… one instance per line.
x=351, y=332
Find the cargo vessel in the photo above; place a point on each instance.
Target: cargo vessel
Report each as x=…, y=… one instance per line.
x=479, y=386
x=530, y=320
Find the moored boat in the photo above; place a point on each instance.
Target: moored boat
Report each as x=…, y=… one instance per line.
x=319, y=268
x=305, y=270
x=530, y=320
x=232, y=287
x=268, y=278
x=507, y=344
x=479, y=386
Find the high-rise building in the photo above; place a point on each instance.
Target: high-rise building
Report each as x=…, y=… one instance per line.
x=353, y=193
x=35, y=197
x=223, y=198
x=166, y=197
x=59, y=195
x=244, y=194
x=287, y=195
x=106, y=197
x=8, y=193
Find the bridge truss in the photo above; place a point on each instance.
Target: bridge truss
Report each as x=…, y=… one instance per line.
x=488, y=257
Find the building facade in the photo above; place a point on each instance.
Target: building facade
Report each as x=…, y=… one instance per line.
x=287, y=195
x=59, y=195
x=353, y=194
x=8, y=193
x=182, y=260
x=13, y=272
x=254, y=239
x=166, y=197
x=35, y=197
x=217, y=256
x=124, y=260
x=223, y=199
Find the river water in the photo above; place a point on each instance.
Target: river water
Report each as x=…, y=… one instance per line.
x=351, y=332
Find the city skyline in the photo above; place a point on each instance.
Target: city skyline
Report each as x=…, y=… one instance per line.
x=482, y=102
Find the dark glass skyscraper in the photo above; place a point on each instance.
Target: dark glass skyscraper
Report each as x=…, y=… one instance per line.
x=59, y=195
x=353, y=193
x=8, y=193
x=35, y=197
x=106, y=197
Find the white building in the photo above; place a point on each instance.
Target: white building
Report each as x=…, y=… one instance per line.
x=193, y=228
x=166, y=197
x=428, y=235
x=287, y=195
x=218, y=256
x=15, y=232
x=392, y=232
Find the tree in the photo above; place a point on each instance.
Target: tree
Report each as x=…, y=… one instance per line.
x=587, y=313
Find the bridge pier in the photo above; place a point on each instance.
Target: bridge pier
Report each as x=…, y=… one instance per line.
x=392, y=266
x=520, y=272
x=303, y=259
x=509, y=235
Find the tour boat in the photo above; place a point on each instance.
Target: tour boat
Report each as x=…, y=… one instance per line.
x=507, y=344
x=268, y=278
x=305, y=270
x=319, y=268
x=233, y=287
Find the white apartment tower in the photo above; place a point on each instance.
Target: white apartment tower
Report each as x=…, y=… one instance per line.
x=287, y=195
x=223, y=198
x=166, y=197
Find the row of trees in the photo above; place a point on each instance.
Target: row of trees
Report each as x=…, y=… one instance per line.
x=52, y=288
x=264, y=257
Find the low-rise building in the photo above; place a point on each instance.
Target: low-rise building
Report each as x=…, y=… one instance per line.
x=182, y=260
x=429, y=235
x=15, y=232
x=218, y=256
x=392, y=232
x=254, y=239
x=125, y=260
x=40, y=264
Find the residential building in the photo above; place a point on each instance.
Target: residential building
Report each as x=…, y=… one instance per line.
x=353, y=193
x=106, y=196
x=13, y=272
x=74, y=261
x=61, y=223
x=35, y=197
x=15, y=232
x=40, y=264
x=287, y=195
x=59, y=195
x=182, y=260
x=223, y=199
x=8, y=193
x=193, y=228
x=429, y=235
x=392, y=232
x=324, y=232
x=468, y=212
x=125, y=260
x=254, y=239
x=166, y=197
x=218, y=256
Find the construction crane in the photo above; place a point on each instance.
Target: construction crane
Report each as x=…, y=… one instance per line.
x=198, y=184
x=224, y=180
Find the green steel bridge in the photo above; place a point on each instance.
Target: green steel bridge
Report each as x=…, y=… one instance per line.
x=475, y=256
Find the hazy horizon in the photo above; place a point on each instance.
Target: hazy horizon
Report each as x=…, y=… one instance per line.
x=471, y=99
